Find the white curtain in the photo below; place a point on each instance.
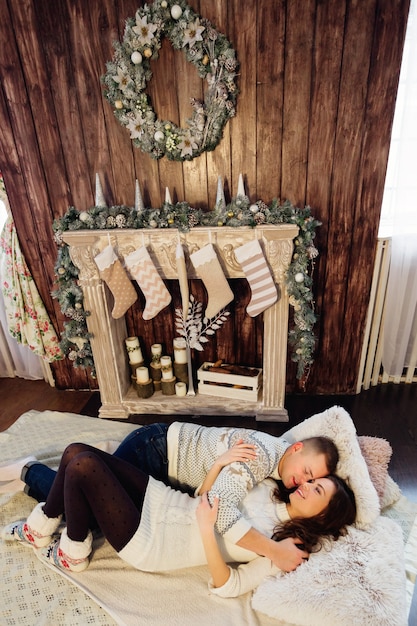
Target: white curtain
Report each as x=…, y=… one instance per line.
x=399, y=216
x=16, y=359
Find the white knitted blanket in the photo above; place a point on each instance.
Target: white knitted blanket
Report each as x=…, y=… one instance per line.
x=110, y=592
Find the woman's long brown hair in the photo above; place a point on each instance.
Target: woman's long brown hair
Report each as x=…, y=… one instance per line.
x=331, y=522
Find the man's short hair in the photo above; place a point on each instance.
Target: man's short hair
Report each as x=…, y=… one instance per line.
x=326, y=446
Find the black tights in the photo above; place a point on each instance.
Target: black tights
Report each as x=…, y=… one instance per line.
x=93, y=485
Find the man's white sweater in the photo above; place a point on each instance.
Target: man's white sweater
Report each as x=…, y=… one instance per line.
x=192, y=450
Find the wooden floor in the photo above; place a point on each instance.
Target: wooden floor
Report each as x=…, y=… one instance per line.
x=388, y=411
x=18, y=396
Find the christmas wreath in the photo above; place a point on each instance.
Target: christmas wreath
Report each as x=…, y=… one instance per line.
x=129, y=72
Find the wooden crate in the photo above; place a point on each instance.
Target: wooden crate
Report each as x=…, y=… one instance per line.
x=229, y=385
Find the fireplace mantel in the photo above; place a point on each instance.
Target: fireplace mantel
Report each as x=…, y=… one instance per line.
x=118, y=398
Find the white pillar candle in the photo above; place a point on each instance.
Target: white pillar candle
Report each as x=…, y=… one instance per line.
x=181, y=389
x=156, y=351
x=133, y=350
x=180, y=350
x=142, y=374
x=166, y=366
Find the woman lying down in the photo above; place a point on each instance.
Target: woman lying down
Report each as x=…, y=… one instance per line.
x=155, y=528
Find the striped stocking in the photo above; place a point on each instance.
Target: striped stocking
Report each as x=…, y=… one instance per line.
x=258, y=274
x=145, y=273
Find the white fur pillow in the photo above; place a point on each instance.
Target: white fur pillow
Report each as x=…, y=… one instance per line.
x=360, y=581
x=337, y=424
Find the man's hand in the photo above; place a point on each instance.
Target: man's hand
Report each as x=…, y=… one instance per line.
x=284, y=554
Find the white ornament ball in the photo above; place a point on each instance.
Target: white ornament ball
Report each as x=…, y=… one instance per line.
x=299, y=277
x=254, y=208
x=176, y=11
x=164, y=4
x=136, y=57
x=83, y=216
x=159, y=135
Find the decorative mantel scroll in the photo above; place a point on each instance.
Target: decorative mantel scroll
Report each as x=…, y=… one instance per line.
x=108, y=334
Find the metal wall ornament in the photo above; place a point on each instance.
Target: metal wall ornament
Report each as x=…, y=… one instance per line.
x=129, y=72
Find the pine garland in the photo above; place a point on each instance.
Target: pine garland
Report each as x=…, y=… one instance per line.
x=75, y=342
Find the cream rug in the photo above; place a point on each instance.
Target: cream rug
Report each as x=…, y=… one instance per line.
x=110, y=592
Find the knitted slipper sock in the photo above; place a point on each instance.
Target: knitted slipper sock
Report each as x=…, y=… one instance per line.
x=67, y=554
x=36, y=531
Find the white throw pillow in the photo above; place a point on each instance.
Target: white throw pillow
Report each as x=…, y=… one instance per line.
x=337, y=424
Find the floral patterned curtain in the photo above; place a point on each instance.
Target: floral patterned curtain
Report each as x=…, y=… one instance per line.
x=27, y=318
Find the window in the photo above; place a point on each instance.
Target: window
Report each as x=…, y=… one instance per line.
x=399, y=206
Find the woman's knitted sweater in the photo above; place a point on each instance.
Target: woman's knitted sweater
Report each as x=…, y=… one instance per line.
x=168, y=536
x=192, y=450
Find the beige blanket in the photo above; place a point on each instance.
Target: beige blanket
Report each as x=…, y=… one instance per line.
x=111, y=592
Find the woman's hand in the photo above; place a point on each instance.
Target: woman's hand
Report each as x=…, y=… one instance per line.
x=207, y=514
x=240, y=451
x=206, y=518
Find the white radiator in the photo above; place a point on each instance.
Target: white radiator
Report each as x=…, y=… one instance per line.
x=370, y=370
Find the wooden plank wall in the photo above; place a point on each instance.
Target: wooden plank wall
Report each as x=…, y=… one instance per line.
x=317, y=82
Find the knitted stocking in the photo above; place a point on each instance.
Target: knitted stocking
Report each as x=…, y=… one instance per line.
x=40, y=523
x=209, y=269
x=37, y=530
x=257, y=272
x=145, y=273
x=114, y=275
